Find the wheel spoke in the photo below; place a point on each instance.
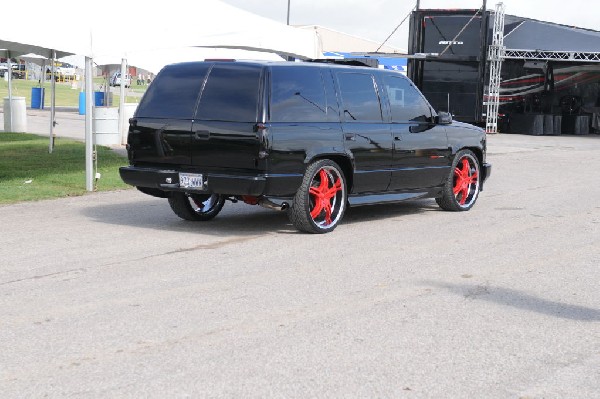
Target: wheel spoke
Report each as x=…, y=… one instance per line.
x=337, y=186
x=316, y=211
x=314, y=191
x=324, y=181
x=327, y=206
x=465, y=194
x=465, y=166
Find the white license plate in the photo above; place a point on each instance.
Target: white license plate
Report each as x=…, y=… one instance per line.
x=190, y=180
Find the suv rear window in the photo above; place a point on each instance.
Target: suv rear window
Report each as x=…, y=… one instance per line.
x=230, y=94
x=297, y=95
x=174, y=92
x=359, y=97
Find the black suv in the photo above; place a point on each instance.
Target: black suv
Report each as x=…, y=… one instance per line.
x=309, y=138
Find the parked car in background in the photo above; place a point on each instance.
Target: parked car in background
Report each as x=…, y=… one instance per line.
x=18, y=70
x=115, y=80
x=308, y=138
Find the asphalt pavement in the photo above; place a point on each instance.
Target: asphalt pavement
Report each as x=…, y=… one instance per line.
x=111, y=295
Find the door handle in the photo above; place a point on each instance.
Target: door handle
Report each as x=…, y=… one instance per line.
x=201, y=134
x=397, y=138
x=350, y=136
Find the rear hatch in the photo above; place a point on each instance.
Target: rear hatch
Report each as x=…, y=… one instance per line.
x=161, y=129
x=200, y=114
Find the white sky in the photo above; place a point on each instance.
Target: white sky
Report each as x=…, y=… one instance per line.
x=376, y=19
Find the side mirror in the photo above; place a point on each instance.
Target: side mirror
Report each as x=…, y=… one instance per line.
x=444, y=118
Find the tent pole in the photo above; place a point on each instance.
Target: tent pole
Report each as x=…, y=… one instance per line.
x=122, y=131
x=10, y=102
x=52, y=102
x=89, y=98
x=43, y=77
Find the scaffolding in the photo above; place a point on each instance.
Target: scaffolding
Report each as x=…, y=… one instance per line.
x=495, y=57
x=542, y=55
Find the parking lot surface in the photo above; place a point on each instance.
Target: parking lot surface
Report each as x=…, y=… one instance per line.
x=111, y=295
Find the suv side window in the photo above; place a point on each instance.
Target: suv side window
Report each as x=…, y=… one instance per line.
x=360, y=101
x=297, y=95
x=174, y=95
x=230, y=94
x=406, y=103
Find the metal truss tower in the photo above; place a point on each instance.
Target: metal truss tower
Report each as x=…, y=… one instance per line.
x=495, y=57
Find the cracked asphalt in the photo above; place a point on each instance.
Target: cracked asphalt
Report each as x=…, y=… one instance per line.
x=111, y=295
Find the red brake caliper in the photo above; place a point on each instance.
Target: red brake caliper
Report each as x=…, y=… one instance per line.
x=322, y=196
x=464, y=179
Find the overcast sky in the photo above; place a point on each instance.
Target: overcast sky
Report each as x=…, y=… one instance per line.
x=376, y=19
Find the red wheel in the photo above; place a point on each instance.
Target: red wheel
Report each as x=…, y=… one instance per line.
x=462, y=187
x=320, y=202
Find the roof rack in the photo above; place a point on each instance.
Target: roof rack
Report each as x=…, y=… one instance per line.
x=368, y=62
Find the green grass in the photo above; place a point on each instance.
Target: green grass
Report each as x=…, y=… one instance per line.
x=66, y=95
x=29, y=173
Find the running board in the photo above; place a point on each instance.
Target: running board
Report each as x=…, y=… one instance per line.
x=372, y=199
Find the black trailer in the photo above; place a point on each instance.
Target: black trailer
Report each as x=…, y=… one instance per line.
x=451, y=72
x=541, y=92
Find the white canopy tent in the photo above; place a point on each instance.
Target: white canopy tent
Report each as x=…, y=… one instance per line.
x=102, y=34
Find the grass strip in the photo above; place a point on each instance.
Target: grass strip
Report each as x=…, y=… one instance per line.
x=29, y=173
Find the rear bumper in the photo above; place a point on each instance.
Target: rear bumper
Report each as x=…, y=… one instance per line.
x=219, y=183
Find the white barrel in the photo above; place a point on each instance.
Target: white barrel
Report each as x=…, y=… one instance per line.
x=19, y=115
x=105, y=125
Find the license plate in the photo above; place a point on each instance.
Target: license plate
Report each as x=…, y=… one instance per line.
x=190, y=180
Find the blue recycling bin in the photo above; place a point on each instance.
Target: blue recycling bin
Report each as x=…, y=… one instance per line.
x=37, y=97
x=82, y=103
x=98, y=101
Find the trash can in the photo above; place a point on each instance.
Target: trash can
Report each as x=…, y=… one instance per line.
x=82, y=103
x=19, y=115
x=37, y=97
x=99, y=99
x=105, y=125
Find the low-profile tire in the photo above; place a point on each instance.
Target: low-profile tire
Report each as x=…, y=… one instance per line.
x=462, y=185
x=320, y=202
x=196, y=207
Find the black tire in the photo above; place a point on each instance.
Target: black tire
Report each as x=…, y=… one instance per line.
x=196, y=207
x=462, y=186
x=320, y=202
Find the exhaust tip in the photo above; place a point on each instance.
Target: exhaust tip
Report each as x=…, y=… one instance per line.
x=266, y=203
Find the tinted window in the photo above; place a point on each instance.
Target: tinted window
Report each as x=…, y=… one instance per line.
x=174, y=92
x=406, y=102
x=297, y=95
x=360, y=102
x=230, y=94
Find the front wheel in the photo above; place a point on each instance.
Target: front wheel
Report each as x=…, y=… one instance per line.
x=196, y=207
x=320, y=202
x=462, y=186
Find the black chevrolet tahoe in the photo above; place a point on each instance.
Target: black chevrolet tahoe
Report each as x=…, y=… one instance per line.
x=307, y=138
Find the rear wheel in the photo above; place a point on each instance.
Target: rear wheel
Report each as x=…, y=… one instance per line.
x=196, y=207
x=320, y=202
x=462, y=186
